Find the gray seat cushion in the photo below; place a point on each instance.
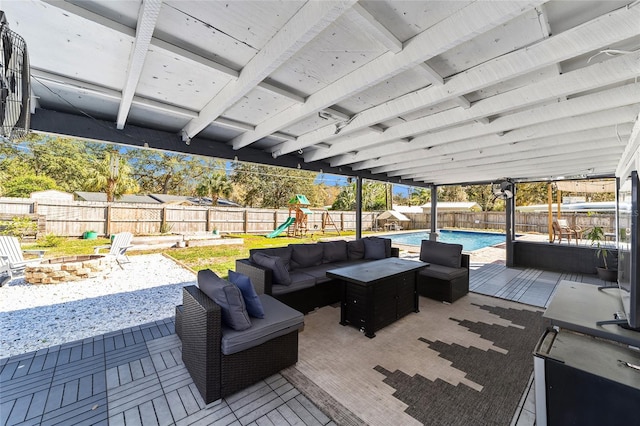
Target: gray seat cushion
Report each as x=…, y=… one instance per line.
x=355, y=249
x=319, y=272
x=386, y=241
x=440, y=272
x=441, y=253
x=299, y=281
x=374, y=248
x=279, y=319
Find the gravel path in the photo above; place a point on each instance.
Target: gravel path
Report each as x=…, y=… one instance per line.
x=36, y=316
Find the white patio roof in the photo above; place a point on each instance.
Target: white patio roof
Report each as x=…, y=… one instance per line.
x=417, y=92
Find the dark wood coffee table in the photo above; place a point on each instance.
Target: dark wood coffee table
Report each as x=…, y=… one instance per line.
x=377, y=293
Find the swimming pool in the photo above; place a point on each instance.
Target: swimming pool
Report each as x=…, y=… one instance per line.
x=470, y=240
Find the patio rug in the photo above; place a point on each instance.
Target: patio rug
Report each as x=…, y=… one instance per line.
x=459, y=364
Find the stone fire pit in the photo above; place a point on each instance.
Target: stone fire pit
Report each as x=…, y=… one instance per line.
x=68, y=268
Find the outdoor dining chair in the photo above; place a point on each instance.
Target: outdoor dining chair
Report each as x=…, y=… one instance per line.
x=12, y=261
x=118, y=247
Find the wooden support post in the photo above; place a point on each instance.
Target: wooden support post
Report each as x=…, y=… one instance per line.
x=107, y=228
x=246, y=221
x=207, y=227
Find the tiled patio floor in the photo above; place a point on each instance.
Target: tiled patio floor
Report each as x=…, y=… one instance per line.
x=136, y=376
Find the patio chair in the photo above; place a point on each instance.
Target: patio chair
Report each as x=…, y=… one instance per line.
x=12, y=262
x=562, y=229
x=118, y=247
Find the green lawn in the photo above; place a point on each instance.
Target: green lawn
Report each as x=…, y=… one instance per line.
x=217, y=258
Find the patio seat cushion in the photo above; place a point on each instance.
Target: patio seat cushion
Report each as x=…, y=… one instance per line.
x=228, y=296
x=355, y=249
x=438, y=253
x=320, y=272
x=445, y=273
x=374, y=248
x=299, y=281
x=334, y=251
x=251, y=299
x=279, y=319
x=305, y=255
x=276, y=264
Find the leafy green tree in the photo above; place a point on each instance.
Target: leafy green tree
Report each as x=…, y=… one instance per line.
x=273, y=187
x=215, y=185
x=111, y=174
x=420, y=196
x=160, y=172
x=452, y=193
x=531, y=193
x=63, y=159
x=23, y=186
x=373, y=197
x=483, y=195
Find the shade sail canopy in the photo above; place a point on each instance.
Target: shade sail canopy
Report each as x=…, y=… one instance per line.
x=411, y=92
x=393, y=215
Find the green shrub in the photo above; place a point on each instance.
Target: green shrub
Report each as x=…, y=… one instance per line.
x=51, y=240
x=18, y=227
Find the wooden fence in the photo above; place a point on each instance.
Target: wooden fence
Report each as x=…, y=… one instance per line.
x=73, y=218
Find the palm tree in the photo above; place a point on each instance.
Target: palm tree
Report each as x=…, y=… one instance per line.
x=111, y=174
x=215, y=186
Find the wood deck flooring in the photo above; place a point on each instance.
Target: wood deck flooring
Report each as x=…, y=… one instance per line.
x=136, y=376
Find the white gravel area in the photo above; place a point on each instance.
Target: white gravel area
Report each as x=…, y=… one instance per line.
x=37, y=316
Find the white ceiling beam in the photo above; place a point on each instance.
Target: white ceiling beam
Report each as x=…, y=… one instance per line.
x=631, y=154
x=542, y=144
x=611, y=98
x=525, y=165
x=596, y=34
x=462, y=102
x=307, y=23
x=552, y=129
x=558, y=128
x=458, y=28
x=432, y=75
x=369, y=24
x=147, y=18
x=532, y=154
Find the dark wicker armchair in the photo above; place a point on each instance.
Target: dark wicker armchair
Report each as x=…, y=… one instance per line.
x=198, y=323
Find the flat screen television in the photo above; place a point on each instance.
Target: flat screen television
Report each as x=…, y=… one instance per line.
x=628, y=249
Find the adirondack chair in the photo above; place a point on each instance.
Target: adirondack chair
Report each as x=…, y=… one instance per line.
x=12, y=262
x=118, y=247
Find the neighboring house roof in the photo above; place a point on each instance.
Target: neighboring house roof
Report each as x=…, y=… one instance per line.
x=51, y=194
x=408, y=209
x=128, y=198
x=394, y=215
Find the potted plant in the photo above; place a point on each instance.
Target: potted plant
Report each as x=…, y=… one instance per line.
x=596, y=236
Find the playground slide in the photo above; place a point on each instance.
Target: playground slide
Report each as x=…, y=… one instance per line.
x=282, y=227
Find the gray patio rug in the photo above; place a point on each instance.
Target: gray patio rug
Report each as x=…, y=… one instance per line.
x=460, y=364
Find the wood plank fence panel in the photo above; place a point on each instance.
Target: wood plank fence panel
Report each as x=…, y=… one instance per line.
x=73, y=218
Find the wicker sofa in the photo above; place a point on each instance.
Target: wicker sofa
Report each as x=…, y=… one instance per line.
x=222, y=360
x=447, y=277
x=305, y=267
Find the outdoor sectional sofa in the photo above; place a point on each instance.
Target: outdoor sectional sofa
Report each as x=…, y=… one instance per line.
x=223, y=357
x=296, y=274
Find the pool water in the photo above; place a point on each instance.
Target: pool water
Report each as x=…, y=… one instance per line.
x=470, y=240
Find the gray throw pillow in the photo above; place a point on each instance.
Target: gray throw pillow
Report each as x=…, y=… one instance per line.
x=334, y=251
x=374, y=248
x=280, y=272
x=355, y=249
x=228, y=296
x=284, y=253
